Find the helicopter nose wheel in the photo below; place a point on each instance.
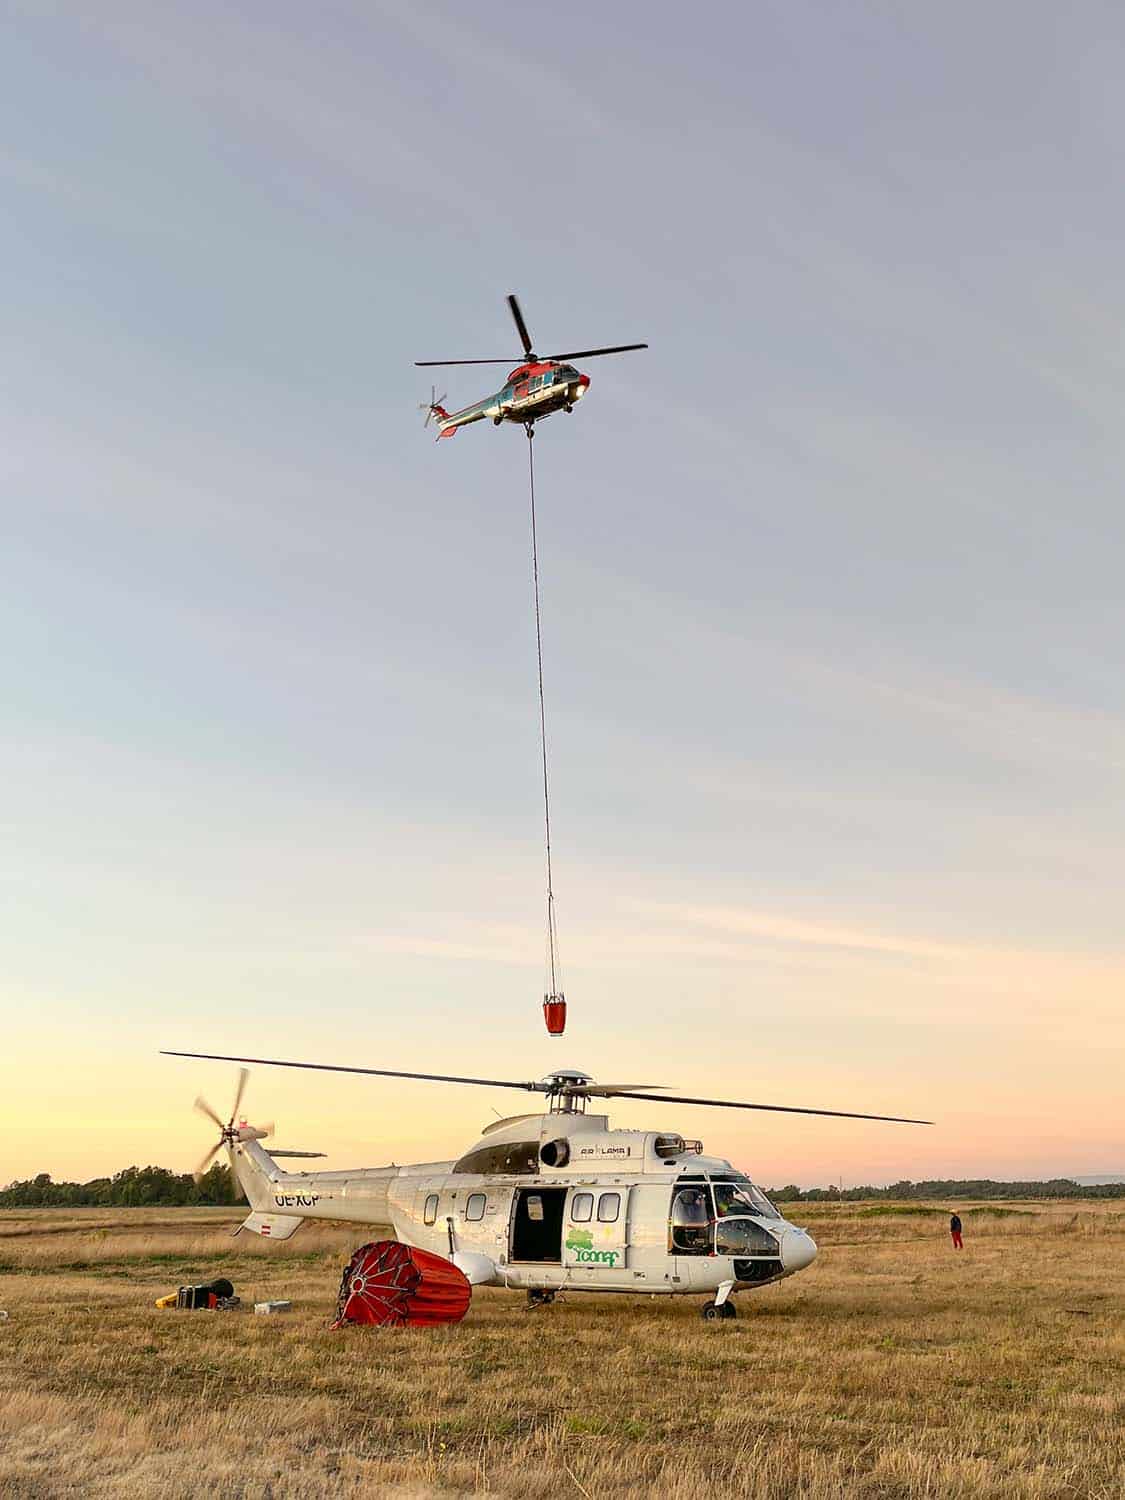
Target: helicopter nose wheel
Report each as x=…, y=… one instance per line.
x=711, y=1312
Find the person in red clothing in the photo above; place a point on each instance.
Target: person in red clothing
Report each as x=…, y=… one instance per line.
x=955, y=1231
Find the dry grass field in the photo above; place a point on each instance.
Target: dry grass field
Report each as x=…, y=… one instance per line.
x=892, y=1367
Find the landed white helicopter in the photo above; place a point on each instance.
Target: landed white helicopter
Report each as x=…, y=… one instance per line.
x=546, y=1202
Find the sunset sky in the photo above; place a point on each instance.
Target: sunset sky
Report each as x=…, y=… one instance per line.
x=834, y=621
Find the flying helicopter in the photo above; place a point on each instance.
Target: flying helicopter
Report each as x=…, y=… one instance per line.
x=542, y=384
x=549, y=1201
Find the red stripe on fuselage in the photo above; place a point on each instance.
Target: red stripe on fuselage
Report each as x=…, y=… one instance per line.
x=525, y=372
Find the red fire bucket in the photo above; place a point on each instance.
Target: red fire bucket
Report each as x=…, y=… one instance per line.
x=554, y=1013
x=388, y=1282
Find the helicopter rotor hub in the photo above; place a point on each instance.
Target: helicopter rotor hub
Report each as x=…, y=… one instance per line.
x=566, y=1090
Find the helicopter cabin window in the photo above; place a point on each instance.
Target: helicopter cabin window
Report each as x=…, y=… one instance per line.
x=582, y=1208
x=429, y=1214
x=474, y=1206
x=691, y=1222
x=609, y=1206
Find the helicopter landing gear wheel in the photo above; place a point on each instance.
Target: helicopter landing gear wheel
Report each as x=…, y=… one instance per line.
x=496, y=421
x=711, y=1312
x=568, y=407
x=539, y=1297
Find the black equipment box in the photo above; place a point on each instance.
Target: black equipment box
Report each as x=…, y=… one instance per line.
x=207, y=1294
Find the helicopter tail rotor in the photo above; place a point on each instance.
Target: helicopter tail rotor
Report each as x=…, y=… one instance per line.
x=230, y=1132
x=433, y=407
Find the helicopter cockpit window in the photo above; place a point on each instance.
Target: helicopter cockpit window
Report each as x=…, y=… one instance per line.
x=581, y=1208
x=516, y=1158
x=429, y=1214
x=743, y=1237
x=474, y=1206
x=742, y=1198
x=691, y=1222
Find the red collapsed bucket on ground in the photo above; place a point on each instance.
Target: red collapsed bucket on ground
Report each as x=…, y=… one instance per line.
x=388, y=1282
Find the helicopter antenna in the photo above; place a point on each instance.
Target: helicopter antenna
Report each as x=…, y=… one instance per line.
x=554, y=1002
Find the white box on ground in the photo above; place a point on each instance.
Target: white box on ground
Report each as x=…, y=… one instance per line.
x=272, y=1307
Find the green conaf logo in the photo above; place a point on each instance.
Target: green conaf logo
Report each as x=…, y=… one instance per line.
x=581, y=1241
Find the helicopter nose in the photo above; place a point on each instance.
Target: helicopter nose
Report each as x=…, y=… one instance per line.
x=798, y=1249
x=584, y=381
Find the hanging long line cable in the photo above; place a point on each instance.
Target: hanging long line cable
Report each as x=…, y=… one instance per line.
x=554, y=998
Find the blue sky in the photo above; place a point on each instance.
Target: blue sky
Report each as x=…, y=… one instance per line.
x=832, y=573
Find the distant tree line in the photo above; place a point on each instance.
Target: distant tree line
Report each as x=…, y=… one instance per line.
x=157, y=1187
x=135, y=1187
x=950, y=1187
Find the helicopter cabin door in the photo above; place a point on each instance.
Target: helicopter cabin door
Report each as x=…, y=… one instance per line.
x=597, y=1222
x=537, y=1225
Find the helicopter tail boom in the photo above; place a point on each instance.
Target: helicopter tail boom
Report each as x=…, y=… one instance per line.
x=279, y=1203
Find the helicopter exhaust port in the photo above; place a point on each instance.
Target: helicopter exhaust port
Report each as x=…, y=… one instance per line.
x=555, y=1153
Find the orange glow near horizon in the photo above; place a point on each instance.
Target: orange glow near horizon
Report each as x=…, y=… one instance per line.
x=977, y=1039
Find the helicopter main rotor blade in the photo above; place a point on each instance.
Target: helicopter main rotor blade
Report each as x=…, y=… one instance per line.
x=608, y=1090
x=781, y=1109
x=590, y=353
x=511, y=361
x=539, y=1086
x=521, y=326
x=515, y=360
x=534, y=1087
